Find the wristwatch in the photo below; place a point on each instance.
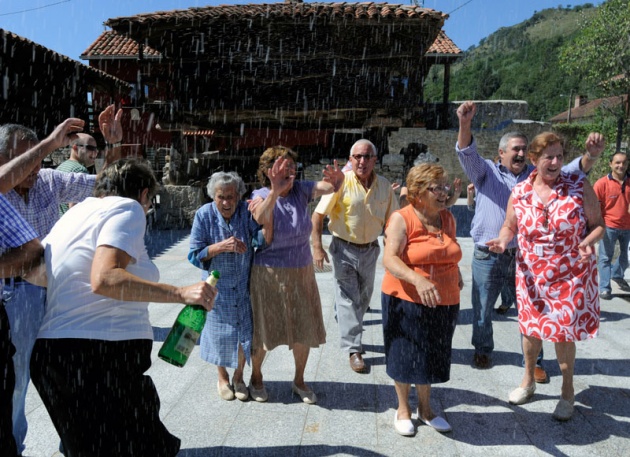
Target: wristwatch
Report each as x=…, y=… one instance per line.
x=592, y=157
x=114, y=145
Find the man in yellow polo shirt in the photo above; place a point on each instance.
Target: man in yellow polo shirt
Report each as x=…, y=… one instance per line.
x=357, y=214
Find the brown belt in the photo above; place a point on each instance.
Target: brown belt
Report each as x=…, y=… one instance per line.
x=357, y=245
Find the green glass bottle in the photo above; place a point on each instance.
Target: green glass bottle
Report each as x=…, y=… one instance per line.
x=183, y=337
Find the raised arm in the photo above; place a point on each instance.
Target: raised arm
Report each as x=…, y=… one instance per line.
x=17, y=169
x=332, y=181
x=109, y=122
x=465, y=114
x=595, y=144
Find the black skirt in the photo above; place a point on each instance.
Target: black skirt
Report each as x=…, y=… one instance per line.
x=418, y=340
x=99, y=399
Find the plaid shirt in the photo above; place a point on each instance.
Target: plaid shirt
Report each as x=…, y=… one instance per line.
x=51, y=188
x=14, y=230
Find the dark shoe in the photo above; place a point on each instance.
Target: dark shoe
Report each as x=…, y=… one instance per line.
x=605, y=295
x=623, y=285
x=482, y=361
x=540, y=375
x=502, y=309
x=356, y=362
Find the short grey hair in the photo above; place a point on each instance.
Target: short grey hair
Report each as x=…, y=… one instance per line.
x=11, y=133
x=503, y=142
x=221, y=179
x=364, y=141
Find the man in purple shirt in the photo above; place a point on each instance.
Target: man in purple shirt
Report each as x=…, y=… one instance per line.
x=494, y=183
x=19, y=248
x=36, y=194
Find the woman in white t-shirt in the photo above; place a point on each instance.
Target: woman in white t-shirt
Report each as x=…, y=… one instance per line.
x=94, y=345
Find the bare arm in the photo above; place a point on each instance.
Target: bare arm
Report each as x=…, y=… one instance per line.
x=396, y=240
x=457, y=190
x=333, y=179
x=507, y=232
x=465, y=113
x=319, y=254
x=17, y=169
x=109, y=122
x=594, y=221
x=595, y=144
x=17, y=261
x=109, y=277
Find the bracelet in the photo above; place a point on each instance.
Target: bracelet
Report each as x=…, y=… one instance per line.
x=114, y=145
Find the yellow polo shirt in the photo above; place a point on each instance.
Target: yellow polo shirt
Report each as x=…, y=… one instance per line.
x=357, y=215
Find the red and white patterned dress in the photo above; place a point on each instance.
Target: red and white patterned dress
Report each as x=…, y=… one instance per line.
x=557, y=296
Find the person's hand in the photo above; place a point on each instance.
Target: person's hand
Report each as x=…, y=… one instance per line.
x=233, y=244
x=457, y=186
x=595, y=144
x=253, y=204
x=110, y=124
x=319, y=255
x=281, y=175
x=395, y=186
x=586, y=252
x=200, y=293
x=65, y=132
x=496, y=246
x=429, y=295
x=333, y=175
x=466, y=112
x=470, y=188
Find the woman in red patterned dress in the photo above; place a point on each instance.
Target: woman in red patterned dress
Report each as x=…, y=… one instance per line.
x=558, y=221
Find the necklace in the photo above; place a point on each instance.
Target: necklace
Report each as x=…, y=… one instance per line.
x=434, y=227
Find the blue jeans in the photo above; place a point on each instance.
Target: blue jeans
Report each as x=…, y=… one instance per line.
x=606, y=252
x=490, y=274
x=25, y=305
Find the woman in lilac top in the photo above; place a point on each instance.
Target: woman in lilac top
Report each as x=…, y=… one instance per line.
x=285, y=299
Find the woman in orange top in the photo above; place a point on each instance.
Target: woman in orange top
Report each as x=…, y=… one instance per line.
x=420, y=294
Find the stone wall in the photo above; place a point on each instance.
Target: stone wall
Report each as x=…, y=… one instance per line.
x=440, y=145
x=178, y=205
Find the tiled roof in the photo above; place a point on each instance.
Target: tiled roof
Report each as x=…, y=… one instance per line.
x=589, y=109
x=443, y=45
x=341, y=10
x=6, y=36
x=113, y=44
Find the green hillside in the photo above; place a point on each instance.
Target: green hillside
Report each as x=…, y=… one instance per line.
x=518, y=63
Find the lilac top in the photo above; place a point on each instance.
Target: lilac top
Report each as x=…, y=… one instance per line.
x=292, y=226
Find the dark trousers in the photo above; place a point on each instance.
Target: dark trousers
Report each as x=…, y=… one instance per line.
x=99, y=399
x=7, y=384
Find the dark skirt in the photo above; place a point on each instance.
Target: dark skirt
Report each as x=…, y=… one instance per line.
x=99, y=399
x=418, y=340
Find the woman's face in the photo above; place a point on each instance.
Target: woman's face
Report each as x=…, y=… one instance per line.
x=550, y=162
x=436, y=194
x=226, y=198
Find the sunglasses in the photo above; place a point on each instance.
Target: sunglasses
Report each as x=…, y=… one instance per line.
x=89, y=147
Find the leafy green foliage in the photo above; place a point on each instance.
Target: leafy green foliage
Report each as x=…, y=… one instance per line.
x=518, y=63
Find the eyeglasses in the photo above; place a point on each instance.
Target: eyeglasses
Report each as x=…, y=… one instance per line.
x=545, y=223
x=89, y=147
x=358, y=157
x=439, y=189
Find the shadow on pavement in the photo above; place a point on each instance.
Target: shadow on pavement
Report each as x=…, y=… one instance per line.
x=159, y=241
x=317, y=450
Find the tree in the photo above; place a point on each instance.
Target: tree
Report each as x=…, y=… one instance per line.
x=600, y=54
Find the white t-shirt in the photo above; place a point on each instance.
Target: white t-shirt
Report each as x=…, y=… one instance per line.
x=73, y=310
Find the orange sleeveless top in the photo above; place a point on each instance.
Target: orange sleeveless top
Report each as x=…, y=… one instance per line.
x=434, y=257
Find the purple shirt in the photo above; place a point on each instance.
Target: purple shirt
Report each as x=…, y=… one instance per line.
x=292, y=226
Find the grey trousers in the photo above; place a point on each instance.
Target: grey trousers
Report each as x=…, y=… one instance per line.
x=354, y=269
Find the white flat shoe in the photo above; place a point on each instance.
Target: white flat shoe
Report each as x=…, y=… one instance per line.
x=403, y=427
x=437, y=423
x=307, y=396
x=225, y=391
x=521, y=395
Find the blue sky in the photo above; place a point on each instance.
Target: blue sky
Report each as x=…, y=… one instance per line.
x=70, y=26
